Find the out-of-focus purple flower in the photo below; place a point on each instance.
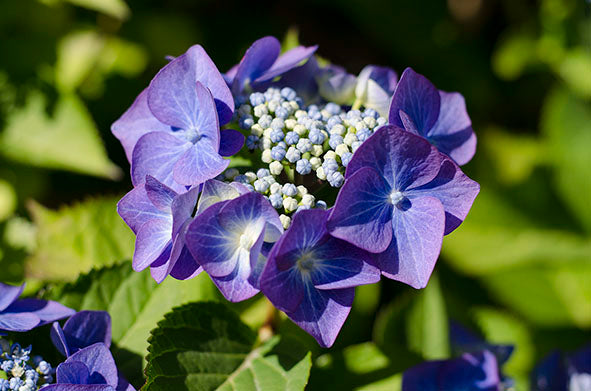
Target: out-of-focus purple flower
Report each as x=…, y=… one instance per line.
x=83, y=329
x=159, y=217
x=90, y=369
x=463, y=340
x=302, y=79
x=226, y=240
x=400, y=197
x=336, y=85
x=154, y=107
x=558, y=372
x=311, y=275
x=471, y=371
x=262, y=63
x=439, y=116
x=26, y=314
x=374, y=88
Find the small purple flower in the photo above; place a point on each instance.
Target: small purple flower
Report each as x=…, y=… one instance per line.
x=152, y=108
x=262, y=63
x=159, y=217
x=374, y=88
x=226, y=239
x=26, y=314
x=471, y=371
x=400, y=197
x=336, y=85
x=311, y=275
x=90, y=369
x=439, y=116
x=83, y=329
x=557, y=372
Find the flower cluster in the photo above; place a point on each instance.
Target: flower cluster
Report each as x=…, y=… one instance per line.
x=22, y=372
x=349, y=178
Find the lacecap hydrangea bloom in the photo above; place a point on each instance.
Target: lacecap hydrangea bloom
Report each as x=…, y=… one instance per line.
x=347, y=178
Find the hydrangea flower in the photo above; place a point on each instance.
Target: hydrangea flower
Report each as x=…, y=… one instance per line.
x=172, y=131
x=262, y=63
x=159, y=217
x=559, y=372
x=471, y=371
x=90, y=369
x=83, y=329
x=311, y=276
x=374, y=88
x=439, y=116
x=401, y=196
x=26, y=314
x=336, y=85
x=21, y=371
x=227, y=239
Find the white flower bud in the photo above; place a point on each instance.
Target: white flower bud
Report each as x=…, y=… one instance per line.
x=257, y=130
x=251, y=176
x=290, y=204
x=275, y=167
x=290, y=123
x=308, y=200
x=338, y=129
x=285, y=221
x=350, y=138
x=315, y=162
x=300, y=129
x=266, y=156
x=261, y=110
x=342, y=149
x=317, y=150
x=330, y=155
x=302, y=190
x=320, y=173
x=275, y=188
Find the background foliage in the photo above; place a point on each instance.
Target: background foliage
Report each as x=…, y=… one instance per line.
x=518, y=270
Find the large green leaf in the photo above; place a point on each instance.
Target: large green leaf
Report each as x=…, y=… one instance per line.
x=392, y=383
x=427, y=323
x=69, y=140
x=115, y=8
x=205, y=346
x=136, y=303
x=76, y=238
x=566, y=123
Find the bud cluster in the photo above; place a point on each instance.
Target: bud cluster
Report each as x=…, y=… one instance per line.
x=315, y=139
x=22, y=372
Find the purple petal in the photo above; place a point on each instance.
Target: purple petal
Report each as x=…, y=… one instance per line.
x=231, y=141
x=78, y=387
x=416, y=243
x=550, y=374
x=455, y=191
x=86, y=328
x=100, y=364
x=8, y=294
x=159, y=194
x=152, y=240
x=258, y=58
x=135, y=122
x=172, y=95
x=362, y=213
x=418, y=98
x=185, y=267
x=375, y=86
x=302, y=79
x=215, y=191
x=19, y=322
x=336, y=85
x=73, y=372
x=230, y=74
x=199, y=163
x=135, y=208
x=59, y=339
x=156, y=154
x=236, y=286
x=210, y=244
x=182, y=209
x=123, y=385
x=46, y=311
x=323, y=313
x=286, y=61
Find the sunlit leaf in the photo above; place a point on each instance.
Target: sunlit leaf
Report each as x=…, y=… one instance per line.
x=364, y=358
x=68, y=140
x=205, y=346
x=7, y=200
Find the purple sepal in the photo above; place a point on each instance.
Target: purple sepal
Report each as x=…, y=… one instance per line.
x=477, y=371
x=226, y=240
x=230, y=142
x=550, y=374
x=135, y=122
x=375, y=86
x=286, y=61
x=302, y=79
x=83, y=329
x=439, y=116
x=310, y=275
x=336, y=85
x=178, y=78
x=26, y=314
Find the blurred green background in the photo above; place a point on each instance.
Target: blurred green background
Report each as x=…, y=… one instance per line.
x=518, y=270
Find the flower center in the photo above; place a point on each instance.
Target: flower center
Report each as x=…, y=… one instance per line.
x=396, y=197
x=305, y=262
x=246, y=241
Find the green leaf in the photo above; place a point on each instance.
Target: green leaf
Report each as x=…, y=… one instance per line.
x=497, y=236
x=205, y=346
x=513, y=55
x=576, y=71
x=115, y=8
x=7, y=200
x=546, y=295
x=392, y=383
x=76, y=238
x=566, y=124
x=364, y=358
x=427, y=323
x=136, y=303
x=69, y=140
